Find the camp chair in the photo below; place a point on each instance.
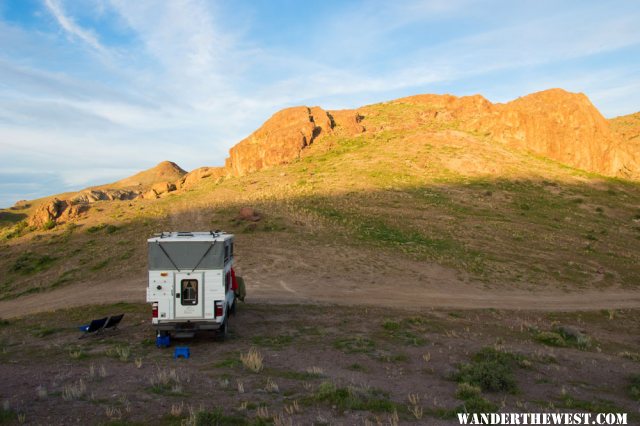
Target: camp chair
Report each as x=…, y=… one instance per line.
x=112, y=322
x=95, y=326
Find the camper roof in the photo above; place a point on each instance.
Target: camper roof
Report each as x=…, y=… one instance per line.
x=190, y=236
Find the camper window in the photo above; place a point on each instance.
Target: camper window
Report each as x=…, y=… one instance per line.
x=226, y=253
x=189, y=292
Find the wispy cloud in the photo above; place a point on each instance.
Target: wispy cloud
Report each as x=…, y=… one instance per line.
x=73, y=29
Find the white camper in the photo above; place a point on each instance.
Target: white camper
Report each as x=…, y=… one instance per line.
x=190, y=282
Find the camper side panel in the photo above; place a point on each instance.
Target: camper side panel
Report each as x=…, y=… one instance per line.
x=213, y=290
x=160, y=290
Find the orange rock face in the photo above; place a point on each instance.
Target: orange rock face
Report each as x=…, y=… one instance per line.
x=194, y=176
x=279, y=140
x=565, y=127
x=557, y=124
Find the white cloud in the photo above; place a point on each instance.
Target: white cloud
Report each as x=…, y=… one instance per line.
x=71, y=27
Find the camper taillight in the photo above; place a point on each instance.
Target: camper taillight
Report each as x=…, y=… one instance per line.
x=218, y=312
x=154, y=310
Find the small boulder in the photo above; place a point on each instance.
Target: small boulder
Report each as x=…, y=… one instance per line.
x=248, y=214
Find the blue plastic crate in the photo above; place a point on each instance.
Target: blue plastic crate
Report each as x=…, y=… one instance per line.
x=181, y=351
x=163, y=341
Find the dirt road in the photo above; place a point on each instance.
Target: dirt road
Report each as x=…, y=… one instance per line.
x=270, y=289
x=338, y=274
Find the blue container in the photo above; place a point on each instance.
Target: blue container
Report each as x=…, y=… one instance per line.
x=84, y=327
x=163, y=341
x=181, y=351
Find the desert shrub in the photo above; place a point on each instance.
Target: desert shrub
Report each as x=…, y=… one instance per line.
x=110, y=229
x=50, y=224
x=634, y=387
x=7, y=415
x=215, y=417
x=551, y=338
x=96, y=228
x=18, y=230
x=357, y=344
x=353, y=398
x=564, y=336
x=30, y=262
x=574, y=337
x=466, y=391
x=478, y=404
x=473, y=401
x=391, y=325
x=491, y=370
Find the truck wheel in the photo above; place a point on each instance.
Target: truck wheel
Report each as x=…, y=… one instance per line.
x=221, y=333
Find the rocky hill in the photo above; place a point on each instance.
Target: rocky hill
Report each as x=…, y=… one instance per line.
x=540, y=192
x=151, y=183
x=562, y=126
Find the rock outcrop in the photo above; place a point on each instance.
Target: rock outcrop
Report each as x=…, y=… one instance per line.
x=159, y=189
x=153, y=182
x=195, y=176
x=56, y=211
x=565, y=127
x=92, y=195
x=279, y=140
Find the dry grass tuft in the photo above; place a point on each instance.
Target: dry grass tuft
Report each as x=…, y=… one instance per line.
x=121, y=352
x=177, y=409
x=74, y=391
x=415, y=408
x=252, y=360
x=166, y=381
x=262, y=412
x=113, y=413
x=293, y=408
x=315, y=370
x=281, y=420
x=271, y=386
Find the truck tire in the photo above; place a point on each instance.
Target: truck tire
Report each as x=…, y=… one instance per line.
x=221, y=333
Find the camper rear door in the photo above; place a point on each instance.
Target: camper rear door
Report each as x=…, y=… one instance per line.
x=188, y=295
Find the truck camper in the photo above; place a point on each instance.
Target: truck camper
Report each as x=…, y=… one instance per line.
x=192, y=285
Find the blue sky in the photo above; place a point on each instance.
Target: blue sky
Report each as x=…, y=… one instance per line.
x=95, y=90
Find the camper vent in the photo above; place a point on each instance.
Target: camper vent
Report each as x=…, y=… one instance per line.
x=185, y=234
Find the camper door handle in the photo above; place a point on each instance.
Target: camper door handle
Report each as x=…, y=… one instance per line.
x=177, y=295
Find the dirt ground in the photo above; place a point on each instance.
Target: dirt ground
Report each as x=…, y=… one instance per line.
x=322, y=365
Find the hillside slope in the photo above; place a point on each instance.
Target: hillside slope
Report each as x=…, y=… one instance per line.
x=437, y=194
